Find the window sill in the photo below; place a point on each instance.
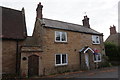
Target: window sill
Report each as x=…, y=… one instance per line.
x=61, y=42
x=95, y=43
x=57, y=65
x=97, y=61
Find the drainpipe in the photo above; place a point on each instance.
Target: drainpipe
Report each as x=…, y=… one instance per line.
x=17, y=57
x=80, y=59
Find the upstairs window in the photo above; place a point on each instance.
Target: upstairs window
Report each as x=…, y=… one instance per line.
x=60, y=36
x=61, y=59
x=95, y=39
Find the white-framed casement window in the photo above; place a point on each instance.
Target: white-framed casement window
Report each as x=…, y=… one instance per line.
x=97, y=57
x=61, y=59
x=95, y=39
x=60, y=36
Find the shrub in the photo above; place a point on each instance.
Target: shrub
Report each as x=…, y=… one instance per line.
x=112, y=51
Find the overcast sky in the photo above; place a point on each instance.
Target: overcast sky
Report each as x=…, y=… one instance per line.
x=102, y=13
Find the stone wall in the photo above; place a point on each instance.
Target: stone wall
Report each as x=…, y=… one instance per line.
x=0, y=58
x=76, y=41
x=9, y=56
x=24, y=63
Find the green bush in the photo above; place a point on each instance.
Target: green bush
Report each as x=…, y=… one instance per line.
x=105, y=64
x=112, y=51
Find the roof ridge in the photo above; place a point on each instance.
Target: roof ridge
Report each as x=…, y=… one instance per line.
x=64, y=22
x=11, y=9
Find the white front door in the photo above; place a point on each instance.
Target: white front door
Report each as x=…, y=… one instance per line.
x=87, y=60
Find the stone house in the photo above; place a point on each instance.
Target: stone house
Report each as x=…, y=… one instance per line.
x=114, y=37
x=13, y=32
x=58, y=46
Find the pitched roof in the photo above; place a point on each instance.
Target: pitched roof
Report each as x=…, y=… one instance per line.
x=114, y=38
x=13, y=24
x=49, y=23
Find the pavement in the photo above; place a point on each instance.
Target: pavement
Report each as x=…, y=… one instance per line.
x=108, y=72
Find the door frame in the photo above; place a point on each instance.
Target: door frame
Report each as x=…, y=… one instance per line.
x=34, y=57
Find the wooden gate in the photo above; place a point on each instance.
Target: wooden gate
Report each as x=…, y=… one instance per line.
x=33, y=65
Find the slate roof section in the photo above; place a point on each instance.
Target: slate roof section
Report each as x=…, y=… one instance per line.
x=114, y=38
x=49, y=23
x=13, y=24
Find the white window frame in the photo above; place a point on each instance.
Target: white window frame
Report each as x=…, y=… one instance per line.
x=60, y=36
x=61, y=64
x=97, y=57
x=94, y=39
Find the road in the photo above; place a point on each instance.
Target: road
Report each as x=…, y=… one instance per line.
x=110, y=72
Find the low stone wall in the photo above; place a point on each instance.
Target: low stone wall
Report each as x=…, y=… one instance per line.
x=60, y=69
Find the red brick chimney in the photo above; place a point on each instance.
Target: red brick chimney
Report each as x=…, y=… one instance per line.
x=39, y=11
x=86, y=22
x=113, y=30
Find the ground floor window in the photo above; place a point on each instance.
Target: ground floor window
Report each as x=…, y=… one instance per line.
x=97, y=57
x=61, y=59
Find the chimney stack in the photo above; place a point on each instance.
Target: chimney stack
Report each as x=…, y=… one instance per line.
x=39, y=11
x=23, y=10
x=113, y=30
x=86, y=22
